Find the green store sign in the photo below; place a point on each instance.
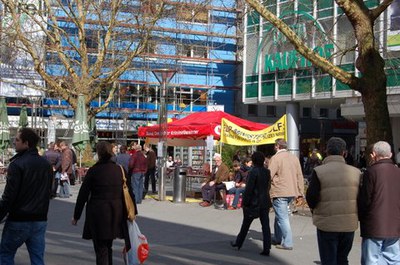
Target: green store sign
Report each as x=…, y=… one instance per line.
x=292, y=59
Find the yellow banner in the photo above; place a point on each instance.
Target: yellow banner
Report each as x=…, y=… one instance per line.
x=235, y=135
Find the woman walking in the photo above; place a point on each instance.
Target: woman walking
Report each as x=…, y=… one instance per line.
x=256, y=203
x=106, y=216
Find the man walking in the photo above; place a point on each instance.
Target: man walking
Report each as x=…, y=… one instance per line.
x=137, y=169
x=67, y=160
x=287, y=183
x=379, y=208
x=151, y=169
x=332, y=198
x=26, y=200
x=123, y=157
x=54, y=158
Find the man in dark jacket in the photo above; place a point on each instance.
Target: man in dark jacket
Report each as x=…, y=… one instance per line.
x=26, y=200
x=151, y=169
x=378, y=208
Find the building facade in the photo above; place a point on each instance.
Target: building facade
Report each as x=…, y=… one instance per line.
x=197, y=39
x=276, y=76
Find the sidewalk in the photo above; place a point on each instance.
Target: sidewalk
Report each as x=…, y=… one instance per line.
x=181, y=234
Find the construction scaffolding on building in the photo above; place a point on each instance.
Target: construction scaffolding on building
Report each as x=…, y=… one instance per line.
x=200, y=40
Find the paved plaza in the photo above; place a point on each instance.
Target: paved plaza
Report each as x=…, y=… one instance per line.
x=181, y=234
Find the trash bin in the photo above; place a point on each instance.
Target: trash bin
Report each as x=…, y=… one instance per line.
x=179, y=185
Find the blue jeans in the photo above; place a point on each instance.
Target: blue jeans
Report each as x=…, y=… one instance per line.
x=17, y=233
x=237, y=192
x=64, y=189
x=137, y=186
x=282, y=230
x=334, y=247
x=375, y=250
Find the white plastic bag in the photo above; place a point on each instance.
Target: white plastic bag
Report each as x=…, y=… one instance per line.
x=64, y=176
x=229, y=184
x=139, y=251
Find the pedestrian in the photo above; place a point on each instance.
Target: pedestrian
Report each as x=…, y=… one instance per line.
x=137, y=169
x=287, y=183
x=256, y=203
x=72, y=176
x=123, y=157
x=106, y=216
x=398, y=158
x=26, y=200
x=132, y=148
x=334, y=215
x=379, y=208
x=151, y=169
x=54, y=158
x=67, y=158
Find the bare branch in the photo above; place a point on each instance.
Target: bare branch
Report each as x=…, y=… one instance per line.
x=376, y=12
x=300, y=46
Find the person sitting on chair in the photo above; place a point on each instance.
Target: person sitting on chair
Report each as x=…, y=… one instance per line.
x=215, y=182
x=240, y=184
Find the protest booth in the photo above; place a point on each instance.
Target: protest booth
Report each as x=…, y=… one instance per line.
x=194, y=129
x=201, y=129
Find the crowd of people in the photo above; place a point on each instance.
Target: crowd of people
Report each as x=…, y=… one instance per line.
x=339, y=195
x=63, y=160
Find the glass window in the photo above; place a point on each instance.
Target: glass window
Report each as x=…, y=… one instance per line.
x=324, y=4
x=323, y=113
x=252, y=110
x=306, y=112
x=271, y=111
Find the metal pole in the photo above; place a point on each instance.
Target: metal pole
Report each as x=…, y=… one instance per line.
x=163, y=139
x=163, y=76
x=292, y=117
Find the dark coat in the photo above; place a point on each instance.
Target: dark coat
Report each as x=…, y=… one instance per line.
x=102, y=191
x=26, y=196
x=379, y=201
x=257, y=189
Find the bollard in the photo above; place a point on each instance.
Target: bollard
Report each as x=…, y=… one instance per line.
x=179, y=185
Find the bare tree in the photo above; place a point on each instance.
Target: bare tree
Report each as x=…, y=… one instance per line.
x=82, y=47
x=371, y=83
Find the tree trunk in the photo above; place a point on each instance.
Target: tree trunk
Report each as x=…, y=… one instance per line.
x=372, y=84
x=374, y=97
x=377, y=115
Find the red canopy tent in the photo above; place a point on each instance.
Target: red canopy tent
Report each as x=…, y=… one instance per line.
x=194, y=128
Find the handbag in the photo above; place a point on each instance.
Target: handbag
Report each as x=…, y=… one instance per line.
x=130, y=207
x=139, y=251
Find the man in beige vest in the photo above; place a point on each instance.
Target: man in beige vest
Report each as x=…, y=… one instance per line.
x=332, y=197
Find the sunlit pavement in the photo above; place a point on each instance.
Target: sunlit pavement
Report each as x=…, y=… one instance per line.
x=181, y=234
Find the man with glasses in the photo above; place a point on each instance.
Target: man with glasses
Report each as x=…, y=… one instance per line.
x=215, y=182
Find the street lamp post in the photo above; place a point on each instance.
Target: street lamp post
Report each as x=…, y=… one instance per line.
x=163, y=76
x=35, y=100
